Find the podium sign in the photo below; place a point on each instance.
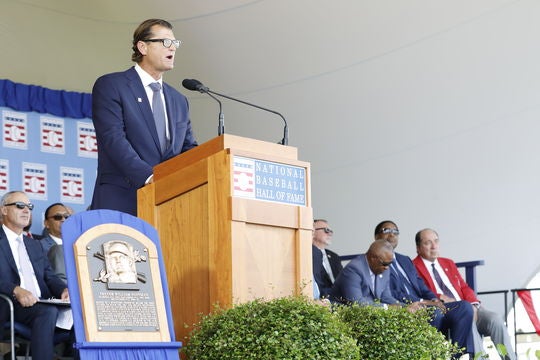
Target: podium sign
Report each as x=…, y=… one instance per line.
x=235, y=220
x=269, y=181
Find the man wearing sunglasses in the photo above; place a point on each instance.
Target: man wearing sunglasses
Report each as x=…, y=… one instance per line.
x=27, y=276
x=326, y=263
x=140, y=121
x=365, y=279
x=55, y=215
x=409, y=288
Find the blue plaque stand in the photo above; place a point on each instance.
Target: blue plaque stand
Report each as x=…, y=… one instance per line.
x=72, y=229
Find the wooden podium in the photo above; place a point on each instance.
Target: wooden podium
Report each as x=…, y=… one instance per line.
x=234, y=217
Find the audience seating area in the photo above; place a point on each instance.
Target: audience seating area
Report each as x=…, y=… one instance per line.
x=469, y=269
x=469, y=266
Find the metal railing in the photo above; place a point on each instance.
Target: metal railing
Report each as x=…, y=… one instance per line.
x=516, y=331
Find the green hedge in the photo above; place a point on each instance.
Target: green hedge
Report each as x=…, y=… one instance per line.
x=395, y=333
x=298, y=328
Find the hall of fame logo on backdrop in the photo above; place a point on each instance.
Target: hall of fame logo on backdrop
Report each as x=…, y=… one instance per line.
x=52, y=135
x=4, y=176
x=15, y=130
x=72, y=185
x=87, y=143
x=34, y=178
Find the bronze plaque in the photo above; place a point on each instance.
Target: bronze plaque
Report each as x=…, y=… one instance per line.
x=120, y=284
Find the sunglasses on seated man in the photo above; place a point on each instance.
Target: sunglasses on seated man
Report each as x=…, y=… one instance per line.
x=389, y=231
x=326, y=230
x=21, y=205
x=59, y=217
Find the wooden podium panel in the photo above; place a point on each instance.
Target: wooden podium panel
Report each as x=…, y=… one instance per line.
x=222, y=248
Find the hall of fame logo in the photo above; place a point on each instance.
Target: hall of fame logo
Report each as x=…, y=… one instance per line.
x=87, y=143
x=52, y=135
x=15, y=130
x=243, y=177
x=72, y=185
x=34, y=178
x=4, y=176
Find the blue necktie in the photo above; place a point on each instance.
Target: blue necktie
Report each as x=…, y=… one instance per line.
x=405, y=283
x=446, y=291
x=159, y=115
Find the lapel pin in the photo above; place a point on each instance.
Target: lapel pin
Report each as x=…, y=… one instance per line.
x=139, y=100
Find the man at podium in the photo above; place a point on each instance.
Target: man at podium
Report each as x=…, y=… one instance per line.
x=140, y=121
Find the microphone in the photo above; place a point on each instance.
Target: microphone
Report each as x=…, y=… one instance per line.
x=196, y=85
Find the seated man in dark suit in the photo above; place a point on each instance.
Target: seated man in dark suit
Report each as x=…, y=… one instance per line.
x=365, y=279
x=56, y=258
x=55, y=215
x=27, y=276
x=407, y=286
x=326, y=263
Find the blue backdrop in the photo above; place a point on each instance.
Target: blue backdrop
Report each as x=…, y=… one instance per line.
x=48, y=146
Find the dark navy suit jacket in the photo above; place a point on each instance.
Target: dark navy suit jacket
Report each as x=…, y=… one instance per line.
x=49, y=283
x=458, y=317
x=127, y=140
x=421, y=289
x=46, y=243
x=319, y=272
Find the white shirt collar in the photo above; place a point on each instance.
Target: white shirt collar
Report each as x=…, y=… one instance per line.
x=56, y=239
x=428, y=263
x=11, y=235
x=146, y=78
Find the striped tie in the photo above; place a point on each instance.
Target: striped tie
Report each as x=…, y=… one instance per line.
x=446, y=291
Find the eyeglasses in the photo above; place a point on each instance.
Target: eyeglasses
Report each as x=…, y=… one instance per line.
x=326, y=230
x=59, y=217
x=166, y=42
x=21, y=205
x=390, y=231
x=385, y=264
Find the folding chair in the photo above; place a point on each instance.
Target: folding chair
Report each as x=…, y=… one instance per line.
x=22, y=334
x=14, y=330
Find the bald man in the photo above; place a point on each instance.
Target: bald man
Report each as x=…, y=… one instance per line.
x=365, y=279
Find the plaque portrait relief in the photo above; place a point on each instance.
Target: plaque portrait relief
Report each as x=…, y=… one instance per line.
x=120, y=260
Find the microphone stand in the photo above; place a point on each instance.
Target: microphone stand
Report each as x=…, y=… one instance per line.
x=284, y=141
x=221, y=121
